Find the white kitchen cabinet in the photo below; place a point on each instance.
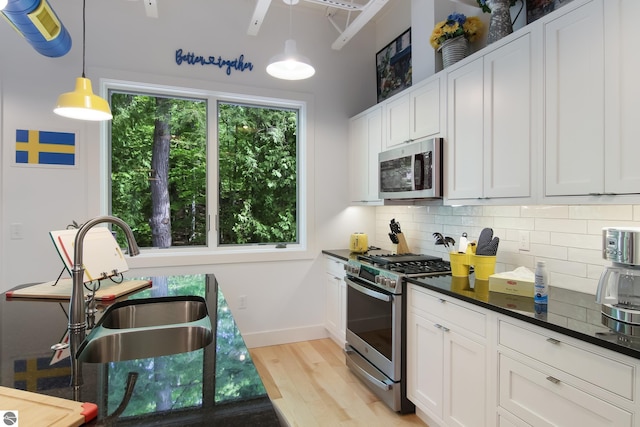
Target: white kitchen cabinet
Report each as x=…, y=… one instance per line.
x=335, y=299
x=446, y=359
x=365, y=142
x=490, y=149
x=546, y=379
x=574, y=102
x=415, y=114
x=622, y=96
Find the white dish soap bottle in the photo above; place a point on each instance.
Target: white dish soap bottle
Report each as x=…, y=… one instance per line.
x=541, y=284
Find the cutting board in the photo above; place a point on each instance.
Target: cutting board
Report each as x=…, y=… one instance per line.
x=35, y=409
x=62, y=291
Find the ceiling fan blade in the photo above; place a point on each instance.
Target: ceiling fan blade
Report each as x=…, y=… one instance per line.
x=151, y=7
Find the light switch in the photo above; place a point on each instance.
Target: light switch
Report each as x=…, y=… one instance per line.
x=16, y=231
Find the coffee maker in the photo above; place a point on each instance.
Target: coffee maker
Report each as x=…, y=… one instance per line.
x=619, y=285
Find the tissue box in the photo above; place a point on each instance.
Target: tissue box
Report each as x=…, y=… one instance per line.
x=509, y=285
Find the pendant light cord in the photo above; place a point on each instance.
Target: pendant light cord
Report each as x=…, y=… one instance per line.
x=84, y=6
x=290, y=19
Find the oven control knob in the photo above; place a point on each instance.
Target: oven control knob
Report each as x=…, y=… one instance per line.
x=378, y=279
x=392, y=284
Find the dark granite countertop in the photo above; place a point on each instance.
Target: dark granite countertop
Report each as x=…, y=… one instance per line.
x=217, y=385
x=571, y=313
x=346, y=254
x=568, y=312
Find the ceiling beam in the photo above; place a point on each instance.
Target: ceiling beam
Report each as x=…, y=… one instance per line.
x=371, y=9
x=262, y=6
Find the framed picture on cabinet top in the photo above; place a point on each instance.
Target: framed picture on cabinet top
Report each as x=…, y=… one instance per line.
x=536, y=9
x=393, y=66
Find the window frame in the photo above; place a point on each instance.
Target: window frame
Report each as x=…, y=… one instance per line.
x=213, y=253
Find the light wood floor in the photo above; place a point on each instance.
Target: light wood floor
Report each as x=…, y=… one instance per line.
x=311, y=385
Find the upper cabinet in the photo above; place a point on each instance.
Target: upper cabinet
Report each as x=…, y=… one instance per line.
x=591, y=92
x=365, y=142
x=491, y=136
x=622, y=96
x=415, y=114
x=574, y=102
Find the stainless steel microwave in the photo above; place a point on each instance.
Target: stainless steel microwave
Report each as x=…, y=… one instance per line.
x=411, y=171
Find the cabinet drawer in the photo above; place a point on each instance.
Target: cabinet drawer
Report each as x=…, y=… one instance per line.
x=334, y=267
x=538, y=400
x=605, y=372
x=448, y=309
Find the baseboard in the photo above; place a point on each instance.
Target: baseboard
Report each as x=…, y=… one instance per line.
x=285, y=336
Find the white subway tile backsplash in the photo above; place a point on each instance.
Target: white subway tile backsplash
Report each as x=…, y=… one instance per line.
x=568, y=238
x=545, y=211
x=608, y=212
x=574, y=240
x=561, y=225
x=496, y=211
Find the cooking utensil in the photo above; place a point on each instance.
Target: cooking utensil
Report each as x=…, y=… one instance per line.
x=462, y=245
x=394, y=238
x=395, y=226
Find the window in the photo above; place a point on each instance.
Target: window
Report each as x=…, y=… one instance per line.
x=184, y=177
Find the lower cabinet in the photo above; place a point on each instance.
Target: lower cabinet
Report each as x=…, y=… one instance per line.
x=472, y=366
x=548, y=379
x=446, y=359
x=335, y=299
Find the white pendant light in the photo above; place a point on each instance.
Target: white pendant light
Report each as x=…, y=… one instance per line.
x=290, y=65
x=3, y=3
x=82, y=103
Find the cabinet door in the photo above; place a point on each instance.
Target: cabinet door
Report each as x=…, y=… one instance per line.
x=424, y=364
x=374, y=147
x=365, y=142
x=542, y=400
x=574, y=99
x=425, y=110
x=508, y=112
x=622, y=88
x=333, y=305
x=465, y=384
x=464, y=145
x=398, y=117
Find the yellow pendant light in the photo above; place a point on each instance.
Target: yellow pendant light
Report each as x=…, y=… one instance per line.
x=82, y=103
x=290, y=65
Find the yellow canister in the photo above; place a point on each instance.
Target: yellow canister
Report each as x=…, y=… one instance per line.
x=359, y=243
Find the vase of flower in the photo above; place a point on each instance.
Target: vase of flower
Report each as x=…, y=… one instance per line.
x=452, y=37
x=453, y=50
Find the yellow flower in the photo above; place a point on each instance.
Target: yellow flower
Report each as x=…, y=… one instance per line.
x=456, y=25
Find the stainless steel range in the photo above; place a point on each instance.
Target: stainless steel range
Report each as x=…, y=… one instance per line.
x=376, y=320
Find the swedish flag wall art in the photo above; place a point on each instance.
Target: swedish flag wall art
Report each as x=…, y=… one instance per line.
x=38, y=147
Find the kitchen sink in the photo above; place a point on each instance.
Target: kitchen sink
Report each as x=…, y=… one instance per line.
x=150, y=327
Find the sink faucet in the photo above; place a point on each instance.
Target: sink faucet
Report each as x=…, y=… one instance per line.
x=77, y=314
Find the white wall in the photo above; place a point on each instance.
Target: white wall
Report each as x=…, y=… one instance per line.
x=568, y=238
x=285, y=298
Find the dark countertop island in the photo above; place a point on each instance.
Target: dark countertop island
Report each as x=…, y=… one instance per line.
x=569, y=312
x=216, y=385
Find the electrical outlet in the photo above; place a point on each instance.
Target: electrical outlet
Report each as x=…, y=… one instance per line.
x=242, y=302
x=523, y=240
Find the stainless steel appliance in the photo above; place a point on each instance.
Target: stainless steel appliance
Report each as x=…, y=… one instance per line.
x=411, y=171
x=619, y=285
x=376, y=321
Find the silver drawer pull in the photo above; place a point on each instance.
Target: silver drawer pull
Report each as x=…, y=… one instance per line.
x=445, y=329
x=553, y=341
x=442, y=300
x=553, y=380
x=437, y=325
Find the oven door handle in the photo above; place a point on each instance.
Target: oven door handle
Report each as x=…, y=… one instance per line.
x=367, y=291
x=373, y=380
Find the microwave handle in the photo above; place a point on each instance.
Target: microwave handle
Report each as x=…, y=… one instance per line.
x=418, y=171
